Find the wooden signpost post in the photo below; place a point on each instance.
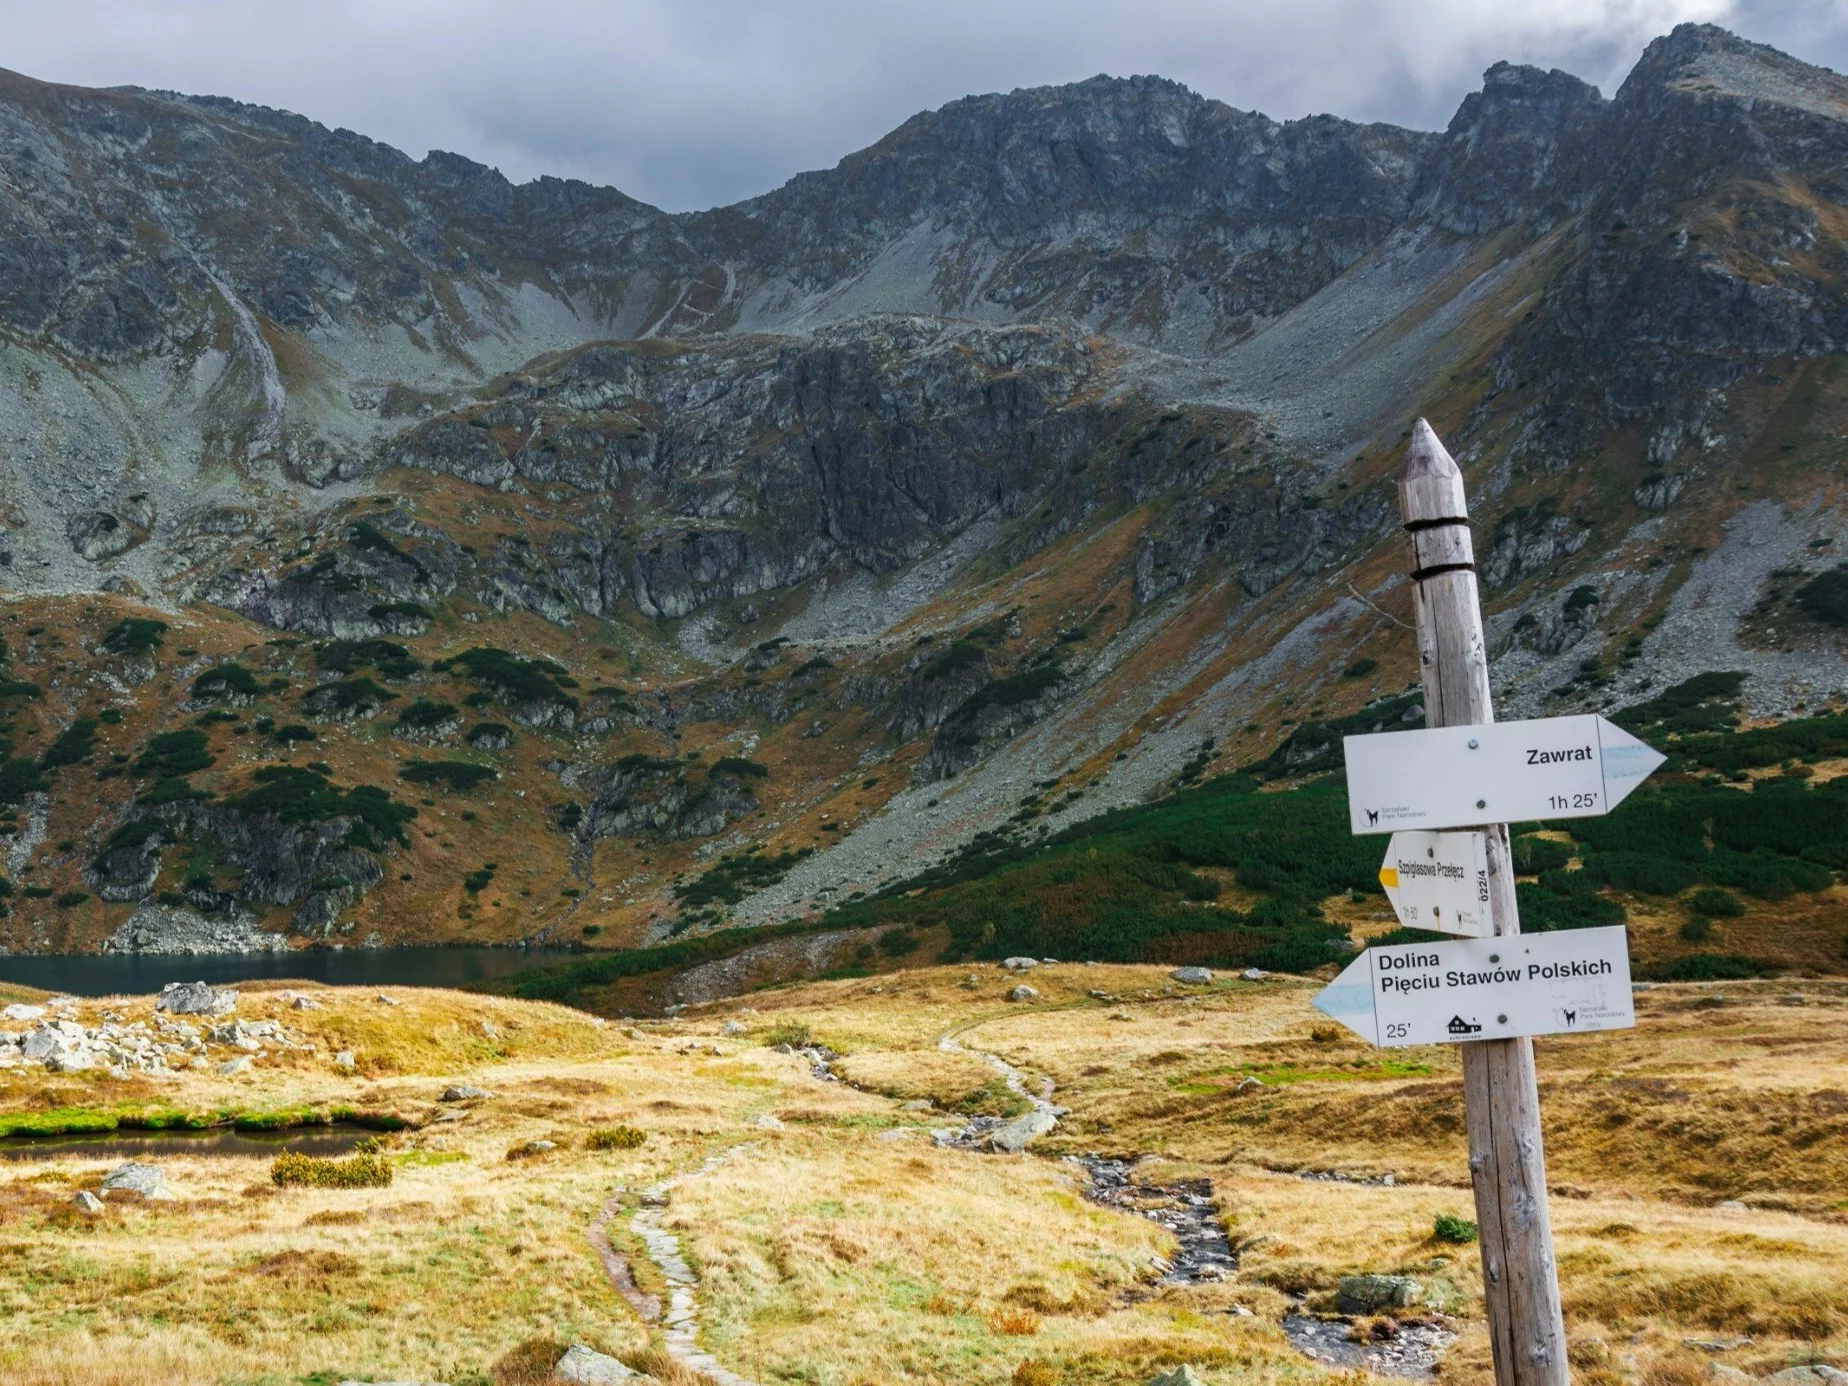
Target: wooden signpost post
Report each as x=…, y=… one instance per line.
x=1502, y=1100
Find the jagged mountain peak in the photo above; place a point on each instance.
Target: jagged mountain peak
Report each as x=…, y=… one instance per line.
x=1706, y=60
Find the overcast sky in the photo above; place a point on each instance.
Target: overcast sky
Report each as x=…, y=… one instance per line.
x=692, y=103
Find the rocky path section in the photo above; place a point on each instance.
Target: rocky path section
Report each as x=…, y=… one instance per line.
x=681, y=1322
x=1007, y=1134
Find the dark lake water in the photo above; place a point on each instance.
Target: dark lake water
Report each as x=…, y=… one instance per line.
x=125, y=974
x=129, y=1145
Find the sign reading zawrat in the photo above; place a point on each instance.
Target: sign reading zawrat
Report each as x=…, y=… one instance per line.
x=1440, y=882
x=1496, y=772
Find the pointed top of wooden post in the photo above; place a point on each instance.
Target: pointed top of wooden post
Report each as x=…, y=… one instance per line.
x=1430, y=487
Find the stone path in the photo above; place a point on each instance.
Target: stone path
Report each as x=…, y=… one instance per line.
x=681, y=1322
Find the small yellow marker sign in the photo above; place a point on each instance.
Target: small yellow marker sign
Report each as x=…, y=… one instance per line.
x=1389, y=877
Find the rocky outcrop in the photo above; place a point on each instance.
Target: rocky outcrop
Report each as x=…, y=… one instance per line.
x=644, y=794
x=1524, y=542
x=161, y=928
x=312, y=866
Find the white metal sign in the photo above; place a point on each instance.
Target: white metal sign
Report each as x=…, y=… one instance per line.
x=1562, y=983
x=1440, y=882
x=1500, y=772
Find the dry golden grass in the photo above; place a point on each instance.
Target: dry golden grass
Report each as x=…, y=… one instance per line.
x=847, y=1248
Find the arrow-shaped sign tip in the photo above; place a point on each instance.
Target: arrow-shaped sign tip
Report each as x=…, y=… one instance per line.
x=1349, y=999
x=1627, y=762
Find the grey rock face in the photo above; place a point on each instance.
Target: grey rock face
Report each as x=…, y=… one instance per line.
x=135, y=1177
x=155, y=928
x=1528, y=543
x=641, y=794
x=1183, y=1375
x=196, y=998
x=1013, y=1136
x=591, y=1368
x=1193, y=976
x=1369, y=1294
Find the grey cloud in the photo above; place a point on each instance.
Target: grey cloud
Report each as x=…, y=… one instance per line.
x=690, y=103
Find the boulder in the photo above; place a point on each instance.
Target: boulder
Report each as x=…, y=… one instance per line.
x=1020, y=964
x=135, y=1177
x=20, y=1012
x=1371, y=1294
x=1254, y=974
x=1023, y=992
x=1816, y=1374
x=592, y=1368
x=464, y=1092
x=1013, y=1136
x=88, y=1202
x=196, y=998
x=1193, y=976
x=733, y=1027
x=230, y=1068
x=766, y=1122
x=345, y=1062
x=1183, y=1375
x=69, y=1060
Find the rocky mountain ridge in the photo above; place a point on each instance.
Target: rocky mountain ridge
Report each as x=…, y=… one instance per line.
x=1028, y=457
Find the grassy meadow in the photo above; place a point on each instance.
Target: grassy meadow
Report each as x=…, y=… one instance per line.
x=1699, y=1167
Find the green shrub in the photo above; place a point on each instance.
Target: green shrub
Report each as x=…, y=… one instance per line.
x=19, y=776
x=1013, y=690
x=74, y=744
x=1697, y=929
x=898, y=943
x=740, y=767
x=1716, y=903
x=1447, y=1227
x=304, y=794
x=458, y=775
x=387, y=658
x=514, y=679
x=1532, y=855
x=1360, y=668
x=1710, y=967
x=426, y=713
x=795, y=1033
x=174, y=753
x=364, y=1169
x=225, y=681
x=1825, y=596
x=477, y=881
x=71, y=898
x=135, y=635
x=615, y=1138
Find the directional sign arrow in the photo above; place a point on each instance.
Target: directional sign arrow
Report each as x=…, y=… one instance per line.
x=1486, y=988
x=1500, y=772
x=1440, y=882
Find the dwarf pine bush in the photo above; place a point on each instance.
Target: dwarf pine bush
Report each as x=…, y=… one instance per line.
x=366, y=1168
x=615, y=1138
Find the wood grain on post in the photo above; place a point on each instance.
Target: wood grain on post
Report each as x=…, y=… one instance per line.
x=1501, y=1096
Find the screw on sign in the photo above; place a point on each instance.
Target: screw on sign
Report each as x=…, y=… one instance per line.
x=1489, y=993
